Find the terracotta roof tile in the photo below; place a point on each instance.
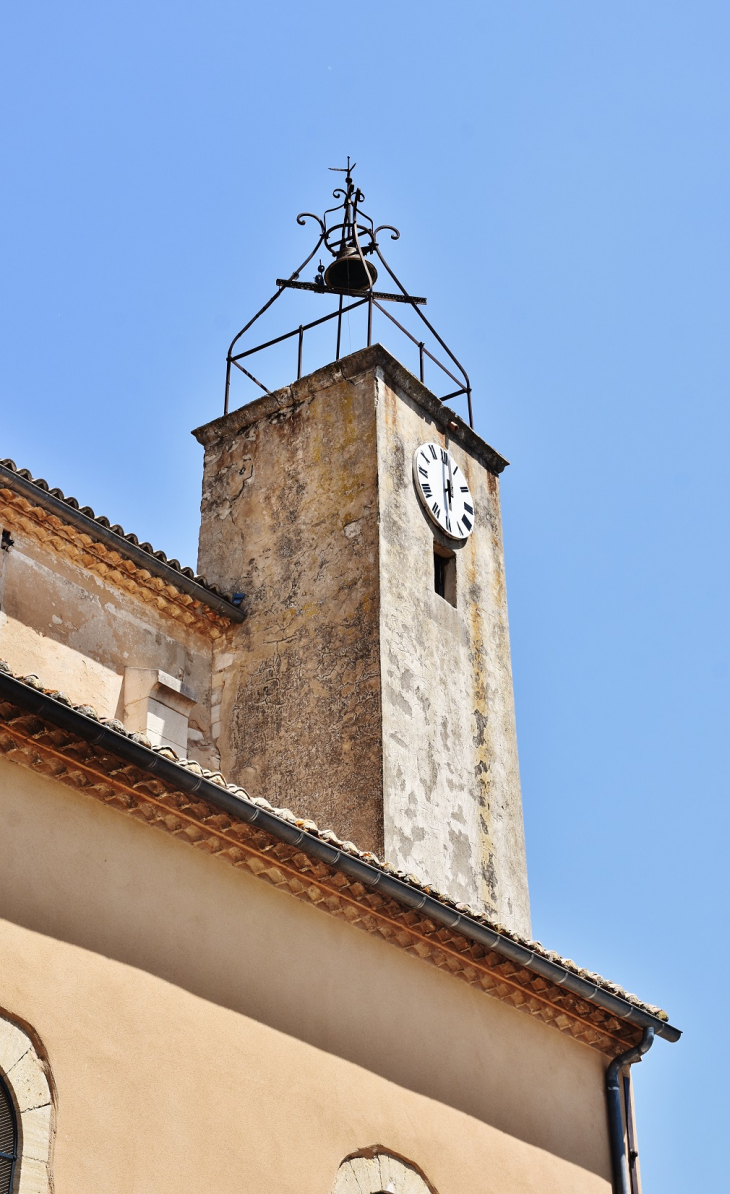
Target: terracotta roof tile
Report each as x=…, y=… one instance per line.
x=103, y=521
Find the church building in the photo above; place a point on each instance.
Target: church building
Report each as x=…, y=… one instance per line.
x=264, y=912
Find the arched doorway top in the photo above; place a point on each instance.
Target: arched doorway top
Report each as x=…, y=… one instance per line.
x=376, y=1170
x=27, y=1078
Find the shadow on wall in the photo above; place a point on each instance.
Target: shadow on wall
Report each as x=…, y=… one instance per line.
x=85, y=874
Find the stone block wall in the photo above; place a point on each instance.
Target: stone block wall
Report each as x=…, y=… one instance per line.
x=353, y=692
x=290, y=518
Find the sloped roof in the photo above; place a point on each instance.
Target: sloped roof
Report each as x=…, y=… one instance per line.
x=179, y=793
x=38, y=492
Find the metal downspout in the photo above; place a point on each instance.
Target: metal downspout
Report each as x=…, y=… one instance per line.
x=622, y=1178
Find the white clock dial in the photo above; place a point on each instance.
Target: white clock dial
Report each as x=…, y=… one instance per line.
x=443, y=489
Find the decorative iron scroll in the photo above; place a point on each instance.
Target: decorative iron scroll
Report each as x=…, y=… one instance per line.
x=349, y=235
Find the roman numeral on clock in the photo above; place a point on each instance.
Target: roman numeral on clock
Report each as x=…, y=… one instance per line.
x=426, y=490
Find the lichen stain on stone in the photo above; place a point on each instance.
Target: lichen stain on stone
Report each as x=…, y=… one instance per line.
x=355, y=685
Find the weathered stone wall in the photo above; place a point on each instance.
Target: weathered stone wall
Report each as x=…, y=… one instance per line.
x=453, y=810
x=79, y=633
x=289, y=517
x=353, y=692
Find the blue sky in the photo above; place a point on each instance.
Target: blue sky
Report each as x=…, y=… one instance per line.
x=559, y=173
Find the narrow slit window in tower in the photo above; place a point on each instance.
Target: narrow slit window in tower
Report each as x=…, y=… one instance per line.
x=444, y=573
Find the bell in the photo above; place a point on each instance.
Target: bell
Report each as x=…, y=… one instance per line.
x=349, y=272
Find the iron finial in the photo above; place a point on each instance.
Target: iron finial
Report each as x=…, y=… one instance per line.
x=349, y=235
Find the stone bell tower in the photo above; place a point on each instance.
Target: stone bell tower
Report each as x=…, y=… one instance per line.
x=369, y=686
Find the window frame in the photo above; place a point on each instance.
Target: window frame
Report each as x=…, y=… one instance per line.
x=7, y=1093
x=27, y=1077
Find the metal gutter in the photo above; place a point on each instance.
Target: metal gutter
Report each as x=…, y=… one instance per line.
x=624, y=1178
x=89, y=526
x=67, y=718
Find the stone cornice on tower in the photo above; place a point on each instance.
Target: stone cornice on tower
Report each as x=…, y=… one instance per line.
x=348, y=368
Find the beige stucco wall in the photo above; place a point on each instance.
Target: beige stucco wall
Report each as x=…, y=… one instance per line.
x=208, y=1032
x=78, y=633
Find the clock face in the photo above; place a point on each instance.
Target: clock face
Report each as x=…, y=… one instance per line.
x=442, y=488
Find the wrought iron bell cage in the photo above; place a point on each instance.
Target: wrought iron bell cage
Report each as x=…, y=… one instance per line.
x=349, y=235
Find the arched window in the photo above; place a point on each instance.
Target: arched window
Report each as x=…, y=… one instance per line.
x=26, y=1113
x=376, y=1171
x=8, y=1138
